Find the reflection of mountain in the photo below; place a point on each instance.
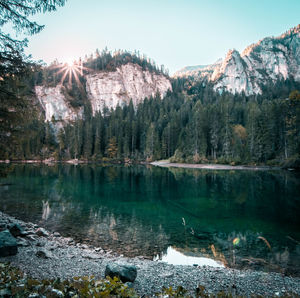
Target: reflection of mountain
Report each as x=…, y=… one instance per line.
x=137, y=210
x=179, y=256
x=101, y=227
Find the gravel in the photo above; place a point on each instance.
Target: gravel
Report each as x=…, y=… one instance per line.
x=66, y=259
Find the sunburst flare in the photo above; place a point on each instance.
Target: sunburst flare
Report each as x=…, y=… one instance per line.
x=70, y=71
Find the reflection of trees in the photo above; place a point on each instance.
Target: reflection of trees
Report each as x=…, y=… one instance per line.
x=46, y=210
x=138, y=210
x=266, y=195
x=88, y=202
x=100, y=227
x=250, y=252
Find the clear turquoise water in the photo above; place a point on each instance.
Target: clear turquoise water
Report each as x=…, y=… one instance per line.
x=144, y=210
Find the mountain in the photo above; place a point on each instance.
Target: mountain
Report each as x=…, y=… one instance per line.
x=198, y=71
x=189, y=69
x=115, y=79
x=265, y=62
x=192, y=123
x=102, y=88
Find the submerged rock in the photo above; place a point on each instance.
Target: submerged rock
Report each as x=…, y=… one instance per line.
x=8, y=244
x=125, y=272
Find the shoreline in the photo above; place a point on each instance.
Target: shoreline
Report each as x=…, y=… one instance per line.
x=69, y=161
x=160, y=163
x=167, y=164
x=66, y=259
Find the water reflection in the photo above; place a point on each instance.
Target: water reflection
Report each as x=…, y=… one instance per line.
x=139, y=210
x=175, y=257
x=46, y=210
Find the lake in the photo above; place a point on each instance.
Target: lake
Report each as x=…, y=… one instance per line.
x=241, y=219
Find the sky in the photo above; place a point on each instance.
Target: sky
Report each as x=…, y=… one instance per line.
x=175, y=33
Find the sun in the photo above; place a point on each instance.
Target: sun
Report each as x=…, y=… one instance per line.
x=71, y=70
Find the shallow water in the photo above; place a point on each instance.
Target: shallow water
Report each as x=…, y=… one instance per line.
x=243, y=219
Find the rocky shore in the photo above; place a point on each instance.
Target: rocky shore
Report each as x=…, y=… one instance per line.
x=42, y=254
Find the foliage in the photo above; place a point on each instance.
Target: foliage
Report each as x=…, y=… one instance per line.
x=112, y=148
x=18, y=113
x=17, y=284
x=224, y=129
x=292, y=162
x=14, y=283
x=170, y=292
x=16, y=13
x=18, y=122
x=192, y=124
x=100, y=61
x=109, y=61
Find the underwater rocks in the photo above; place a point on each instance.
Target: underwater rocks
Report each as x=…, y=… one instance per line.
x=69, y=259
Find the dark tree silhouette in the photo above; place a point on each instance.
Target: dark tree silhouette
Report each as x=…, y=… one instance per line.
x=16, y=13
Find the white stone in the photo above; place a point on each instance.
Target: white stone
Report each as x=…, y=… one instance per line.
x=128, y=82
x=55, y=104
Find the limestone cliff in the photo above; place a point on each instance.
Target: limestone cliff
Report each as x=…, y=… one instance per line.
x=55, y=105
x=104, y=89
x=128, y=82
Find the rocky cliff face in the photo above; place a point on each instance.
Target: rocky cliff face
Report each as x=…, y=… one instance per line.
x=128, y=82
x=105, y=89
x=55, y=105
x=267, y=61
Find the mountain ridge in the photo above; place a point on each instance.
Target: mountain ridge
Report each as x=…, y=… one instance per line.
x=267, y=61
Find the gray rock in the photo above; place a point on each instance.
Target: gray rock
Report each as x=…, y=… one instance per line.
x=31, y=237
x=8, y=244
x=56, y=234
x=42, y=232
x=56, y=293
x=125, y=272
x=43, y=254
x=167, y=275
x=40, y=244
x=91, y=256
x=16, y=230
x=129, y=284
x=22, y=242
x=34, y=295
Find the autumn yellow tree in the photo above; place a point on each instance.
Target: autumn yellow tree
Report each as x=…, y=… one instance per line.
x=112, y=148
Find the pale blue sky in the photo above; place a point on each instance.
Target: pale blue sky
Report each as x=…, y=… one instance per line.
x=172, y=32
